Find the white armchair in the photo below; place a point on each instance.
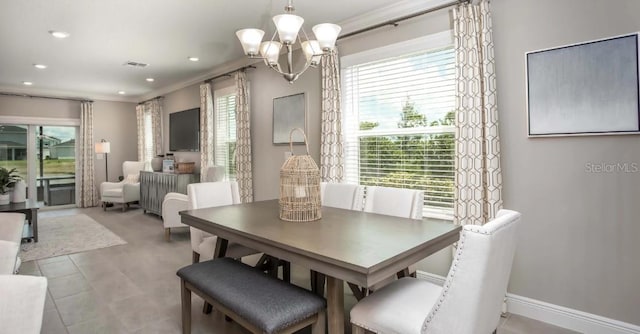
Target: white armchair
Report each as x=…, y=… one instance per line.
x=125, y=191
x=22, y=303
x=470, y=300
x=172, y=204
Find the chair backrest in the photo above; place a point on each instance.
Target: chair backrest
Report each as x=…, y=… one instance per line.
x=214, y=173
x=132, y=168
x=342, y=195
x=210, y=194
x=406, y=203
x=472, y=296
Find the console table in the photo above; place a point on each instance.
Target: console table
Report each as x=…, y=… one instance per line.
x=30, y=210
x=155, y=185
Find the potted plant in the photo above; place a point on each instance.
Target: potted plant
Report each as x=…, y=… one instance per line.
x=7, y=179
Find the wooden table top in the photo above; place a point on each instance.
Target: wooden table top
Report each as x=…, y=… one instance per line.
x=355, y=246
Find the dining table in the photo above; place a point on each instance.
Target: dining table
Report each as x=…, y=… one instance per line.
x=345, y=245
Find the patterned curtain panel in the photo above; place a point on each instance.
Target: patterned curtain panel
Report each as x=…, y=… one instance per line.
x=154, y=107
x=206, y=129
x=243, y=139
x=331, y=154
x=87, y=193
x=149, y=121
x=478, y=179
x=140, y=121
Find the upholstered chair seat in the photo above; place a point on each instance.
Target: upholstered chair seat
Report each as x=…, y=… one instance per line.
x=469, y=302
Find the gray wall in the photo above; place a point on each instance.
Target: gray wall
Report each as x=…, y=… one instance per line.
x=580, y=235
x=182, y=99
x=113, y=121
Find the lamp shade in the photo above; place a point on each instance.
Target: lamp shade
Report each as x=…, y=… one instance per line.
x=250, y=40
x=288, y=26
x=312, y=51
x=326, y=33
x=270, y=51
x=103, y=147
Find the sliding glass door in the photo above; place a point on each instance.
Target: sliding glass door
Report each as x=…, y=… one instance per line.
x=44, y=156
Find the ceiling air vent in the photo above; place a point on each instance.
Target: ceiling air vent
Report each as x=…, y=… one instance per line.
x=135, y=64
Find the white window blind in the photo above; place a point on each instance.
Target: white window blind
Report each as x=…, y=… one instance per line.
x=399, y=123
x=225, y=131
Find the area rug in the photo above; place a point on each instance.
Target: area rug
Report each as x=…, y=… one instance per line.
x=66, y=235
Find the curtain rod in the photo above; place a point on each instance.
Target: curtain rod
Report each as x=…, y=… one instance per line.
x=151, y=99
x=46, y=97
x=395, y=21
x=229, y=73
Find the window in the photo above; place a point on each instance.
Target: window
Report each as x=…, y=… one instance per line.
x=398, y=106
x=225, y=130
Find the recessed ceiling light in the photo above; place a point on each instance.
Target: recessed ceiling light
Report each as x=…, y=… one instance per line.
x=27, y=83
x=59, y=34
x=121, y=92
x=150, y=79
x=193, y=58
x=40, y=66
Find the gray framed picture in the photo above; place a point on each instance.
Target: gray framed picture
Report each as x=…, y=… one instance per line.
x=289, y=112
x=584, y=89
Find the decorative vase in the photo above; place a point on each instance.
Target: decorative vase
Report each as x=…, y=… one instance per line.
x=4, y=198
x=156, y=163
x=19, y=193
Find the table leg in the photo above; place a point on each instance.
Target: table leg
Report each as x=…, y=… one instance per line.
x=221, y=248
x=335, y=305
x=34, y=224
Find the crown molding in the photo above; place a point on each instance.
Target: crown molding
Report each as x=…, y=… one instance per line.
x=389, y=12
x=61, y=94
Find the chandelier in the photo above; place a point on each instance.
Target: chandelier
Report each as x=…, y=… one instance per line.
x=289, y=30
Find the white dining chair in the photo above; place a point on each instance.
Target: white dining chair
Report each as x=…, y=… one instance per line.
x=405, y=203
x=206, y=195
x=342, y=195
x=469, y=302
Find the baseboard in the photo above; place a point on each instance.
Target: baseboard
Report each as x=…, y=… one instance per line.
x=560, y=316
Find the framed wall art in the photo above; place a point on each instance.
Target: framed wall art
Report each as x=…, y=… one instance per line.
x=289, y=112
x=584, y=89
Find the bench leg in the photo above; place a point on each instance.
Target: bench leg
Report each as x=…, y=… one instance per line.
x=319, y=326
x=186, y=308
x=286, y=271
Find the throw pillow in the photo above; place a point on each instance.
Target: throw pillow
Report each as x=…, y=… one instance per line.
x=132, y=178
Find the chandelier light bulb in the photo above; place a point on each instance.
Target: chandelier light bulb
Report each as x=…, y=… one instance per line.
x=326, y=33
x=270, y=51
x=288, y=26
x=312, y=51
x=250, y=40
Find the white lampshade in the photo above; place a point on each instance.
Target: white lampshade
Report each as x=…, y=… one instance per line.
x=103, y=147
x=250, y=40
x=270, y=51
x=288, y=26
x=326, y=33
x=312, y=51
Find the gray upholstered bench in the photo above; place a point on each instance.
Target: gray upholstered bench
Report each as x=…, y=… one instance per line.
x=255, y=300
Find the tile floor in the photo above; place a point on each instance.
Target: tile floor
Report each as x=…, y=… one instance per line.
x=133, y=288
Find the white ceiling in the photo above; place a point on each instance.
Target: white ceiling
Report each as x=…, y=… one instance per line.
x=163, y=33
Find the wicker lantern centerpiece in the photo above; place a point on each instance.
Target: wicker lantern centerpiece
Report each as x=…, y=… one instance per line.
x=300, y=186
